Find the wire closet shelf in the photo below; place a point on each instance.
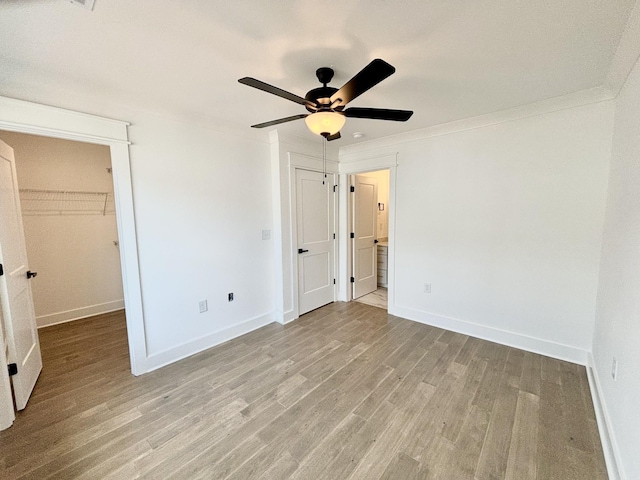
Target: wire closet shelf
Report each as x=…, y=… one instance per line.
x=63, y=202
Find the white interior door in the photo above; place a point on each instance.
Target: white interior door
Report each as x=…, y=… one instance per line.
x=364, y=217
x=7, y=414
x=315, y=243
x=19, y=321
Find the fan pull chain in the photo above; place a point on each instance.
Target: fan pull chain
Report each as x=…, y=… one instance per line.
x=324, y=159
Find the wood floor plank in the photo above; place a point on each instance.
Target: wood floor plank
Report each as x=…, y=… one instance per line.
x=521, y=462
x=531, y=373
x=458, y=410
x=352, y=454
x=463, y=459
x=373, y=464
x=577, y=424
x=551, y=432
x=405, y=467
x=329, y=448
x=424, y=431
x=345, y=392
x=496, y=356
x=492, y=464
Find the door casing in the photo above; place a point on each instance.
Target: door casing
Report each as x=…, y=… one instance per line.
x=365, y=163
x=32, y=118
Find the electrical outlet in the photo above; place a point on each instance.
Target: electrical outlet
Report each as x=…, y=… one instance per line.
x=231, y=297
x=203, y=306
x=427, y=288
x=614, y=369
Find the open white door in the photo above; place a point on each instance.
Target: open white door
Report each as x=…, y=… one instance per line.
x=364, y=200
x=20, y=330
x=315, y=245
x=7, y=414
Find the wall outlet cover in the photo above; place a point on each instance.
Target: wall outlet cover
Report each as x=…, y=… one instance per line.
x=203, y=306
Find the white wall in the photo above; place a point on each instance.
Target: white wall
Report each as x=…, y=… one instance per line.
x=201, y=200
x=382, y=176
x=617, y=328
x=77, y=263
x=505, y=221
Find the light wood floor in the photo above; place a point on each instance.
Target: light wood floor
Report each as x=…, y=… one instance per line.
x=346, y=392
x=377, y=298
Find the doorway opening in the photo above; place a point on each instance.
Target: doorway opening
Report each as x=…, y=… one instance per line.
x=68, y=213
x=369, y=240
x=67, y=205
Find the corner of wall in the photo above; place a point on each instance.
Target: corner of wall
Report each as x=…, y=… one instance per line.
x=626, y=55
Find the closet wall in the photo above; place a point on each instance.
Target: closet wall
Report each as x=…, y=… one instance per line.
x=71, y=238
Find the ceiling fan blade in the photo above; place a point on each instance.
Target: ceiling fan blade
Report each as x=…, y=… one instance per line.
x=252, y=82
x=369, y=76
x=378, y=114
x=280, y=120
x=335, y=136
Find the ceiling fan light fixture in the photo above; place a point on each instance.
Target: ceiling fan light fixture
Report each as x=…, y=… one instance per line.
x=325, y=123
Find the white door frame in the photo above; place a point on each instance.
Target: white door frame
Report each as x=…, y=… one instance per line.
x=364, y=165
x=305, y=162
x=36, y=119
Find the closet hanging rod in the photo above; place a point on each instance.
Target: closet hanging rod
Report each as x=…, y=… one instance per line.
x=65, y=202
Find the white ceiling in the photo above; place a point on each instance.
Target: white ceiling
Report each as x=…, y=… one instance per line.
x=454, y=58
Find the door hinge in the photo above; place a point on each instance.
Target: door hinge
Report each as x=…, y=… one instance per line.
x=334, y=236
x=334, y=281
x=1, y=270
x=353, y=280
x=13, y=369
x=334, y=188
x=352, y=189
x=353, y=235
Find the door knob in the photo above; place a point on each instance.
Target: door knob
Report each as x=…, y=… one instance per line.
x=300, y=250
x=31, y=274
x=375, y=241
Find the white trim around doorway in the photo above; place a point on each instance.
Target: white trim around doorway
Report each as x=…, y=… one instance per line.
x=364, y=165
x=32, y=118
x=298, y=161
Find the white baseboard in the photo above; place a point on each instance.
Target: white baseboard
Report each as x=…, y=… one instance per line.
x=285, y=317
x=289, y=317
x=78, y=313
x=609, y=444
x=160, y=359
x=510, y=339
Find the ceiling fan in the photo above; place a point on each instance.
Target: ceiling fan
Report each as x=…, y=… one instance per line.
x=326, y=105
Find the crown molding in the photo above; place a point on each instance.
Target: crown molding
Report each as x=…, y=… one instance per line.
x=564, y=102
